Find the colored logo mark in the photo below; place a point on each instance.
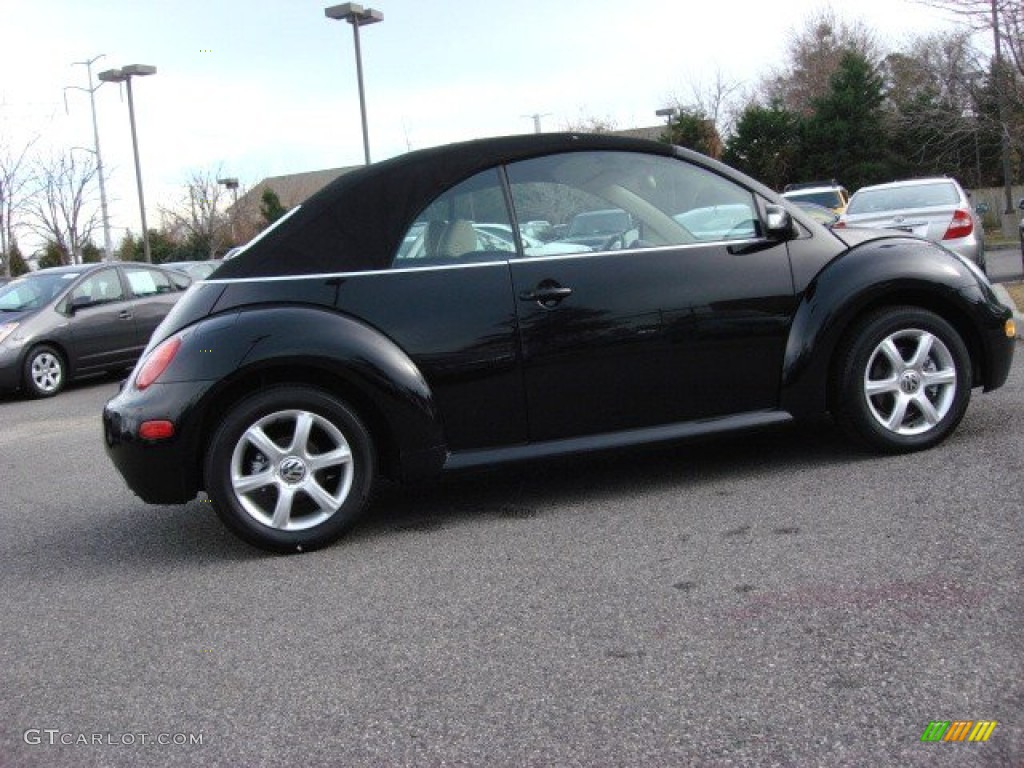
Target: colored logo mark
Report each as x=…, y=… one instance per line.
x=958, y=730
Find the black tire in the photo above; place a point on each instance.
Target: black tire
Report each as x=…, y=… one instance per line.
x=282, y=502
x=44, y=373
x=884, y=395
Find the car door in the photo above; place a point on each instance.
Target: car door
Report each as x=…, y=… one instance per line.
x=153, y=293
x=101, y=323
x=447, y=303
x=658, y=324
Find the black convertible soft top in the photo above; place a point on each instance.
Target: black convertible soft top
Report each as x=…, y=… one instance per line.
x=357, y=221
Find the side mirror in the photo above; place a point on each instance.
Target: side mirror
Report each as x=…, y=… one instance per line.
x=77, y=303
x=779, y=224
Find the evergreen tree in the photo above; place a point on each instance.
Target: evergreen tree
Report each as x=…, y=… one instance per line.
x=18, y=265
x=130, y=249
x=91, y=254
x=270, y=206
x=53, y=256
x=765, y=144
x=845, y=138
x=694, y=130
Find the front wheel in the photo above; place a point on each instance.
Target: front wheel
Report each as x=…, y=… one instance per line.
x=45, y=373
x=904, y=380
x=290, y=469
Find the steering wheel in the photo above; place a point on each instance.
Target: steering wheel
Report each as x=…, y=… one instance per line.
x=614, y=243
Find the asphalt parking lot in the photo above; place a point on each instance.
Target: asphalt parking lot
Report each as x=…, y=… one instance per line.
x=1005, y=263
x=779, y=599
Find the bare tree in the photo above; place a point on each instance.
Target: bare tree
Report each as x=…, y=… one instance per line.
x=590, y=124
x=814, y=56
x=932, y=93
x=63, y=208
x=720, y=101
x=15, y=185
x=244, y=215
x=198, y=217
x=1005, y=20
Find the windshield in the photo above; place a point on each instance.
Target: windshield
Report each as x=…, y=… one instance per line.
x=827, y=198
x=599, y=223
x=33, y=291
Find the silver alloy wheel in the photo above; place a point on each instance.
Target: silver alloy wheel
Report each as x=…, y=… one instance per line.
x=47, y=372
x=910, y=381
x=291, y=470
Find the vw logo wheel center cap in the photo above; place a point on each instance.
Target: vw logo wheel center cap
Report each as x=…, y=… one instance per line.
x=910, y=382
x=292, y=470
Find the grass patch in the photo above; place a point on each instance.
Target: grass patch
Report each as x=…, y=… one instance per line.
x=1016, y=291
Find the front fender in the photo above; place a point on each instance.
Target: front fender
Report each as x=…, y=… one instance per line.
x=878, y=272
x=342, y=354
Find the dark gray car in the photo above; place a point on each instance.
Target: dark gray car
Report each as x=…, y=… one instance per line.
x=60, y=323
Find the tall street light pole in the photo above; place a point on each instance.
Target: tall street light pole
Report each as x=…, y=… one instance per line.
x=125, y=75
x=536, y=120
x=91, y=90
x=668, y=113
x=357, y=16
x=231, y=183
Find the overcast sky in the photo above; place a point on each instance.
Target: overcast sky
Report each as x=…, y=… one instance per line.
x=261, y=88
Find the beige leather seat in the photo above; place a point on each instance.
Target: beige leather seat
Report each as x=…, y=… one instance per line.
x=457, y=239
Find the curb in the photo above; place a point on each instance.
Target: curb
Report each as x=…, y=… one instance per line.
x=1005, y=297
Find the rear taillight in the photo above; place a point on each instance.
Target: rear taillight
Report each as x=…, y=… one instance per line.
x=839, y=225
x=961, y=226
x=157, y=361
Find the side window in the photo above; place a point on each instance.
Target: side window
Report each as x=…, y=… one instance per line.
x=468, y=223
x=102, y=287
x=147, y=282
x=180, y=281
x=601, y=201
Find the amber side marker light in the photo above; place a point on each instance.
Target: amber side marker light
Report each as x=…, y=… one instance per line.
x=159, y=429
x=157, y=362
x=1011, y=329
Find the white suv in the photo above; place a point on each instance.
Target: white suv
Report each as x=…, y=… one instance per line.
x=827, y=194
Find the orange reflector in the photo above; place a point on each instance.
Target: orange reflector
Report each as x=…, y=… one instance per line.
x=1011, y=329
x=160, y=429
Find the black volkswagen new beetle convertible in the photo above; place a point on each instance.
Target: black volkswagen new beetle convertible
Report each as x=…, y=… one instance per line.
x=382, y=328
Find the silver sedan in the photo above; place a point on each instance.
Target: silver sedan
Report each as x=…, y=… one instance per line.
x=936, y=208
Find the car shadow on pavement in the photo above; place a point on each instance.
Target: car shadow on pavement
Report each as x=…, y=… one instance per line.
x=96, y=380
x=133, y=536
x=525, y=490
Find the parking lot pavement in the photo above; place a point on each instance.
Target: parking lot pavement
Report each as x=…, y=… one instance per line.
x=780, y=599
x=1005, y=264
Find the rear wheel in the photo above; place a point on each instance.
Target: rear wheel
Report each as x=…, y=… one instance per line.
x=904, y=381
x=290, y=469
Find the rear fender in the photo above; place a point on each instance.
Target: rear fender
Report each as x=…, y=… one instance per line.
x=269, y=342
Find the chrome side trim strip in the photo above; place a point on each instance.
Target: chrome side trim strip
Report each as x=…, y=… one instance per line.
x=472, y=265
